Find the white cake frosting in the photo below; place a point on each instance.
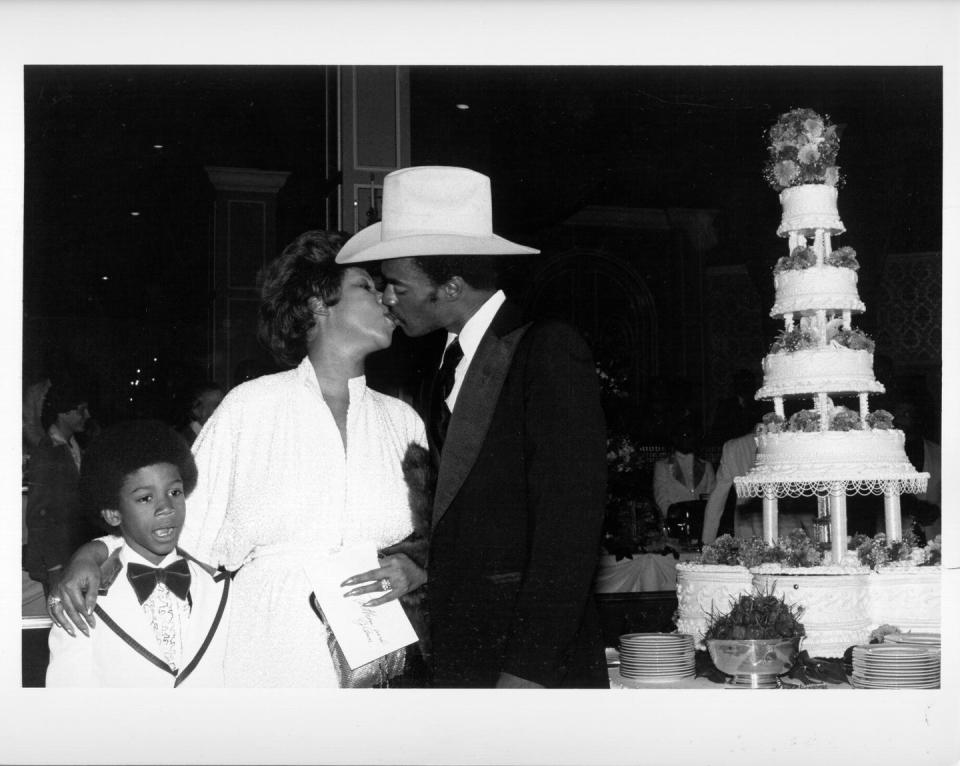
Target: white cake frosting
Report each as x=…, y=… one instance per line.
x=833, y=368
x=842, y=604
x=873, y=460
x=817, y=287
x=836, y=608
x=705, y=589
x=907, y=597
x=810, y=207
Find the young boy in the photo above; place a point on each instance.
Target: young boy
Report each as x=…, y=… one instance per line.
x=159, y=621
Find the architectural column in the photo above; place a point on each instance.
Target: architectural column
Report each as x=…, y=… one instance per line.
x=374, y=137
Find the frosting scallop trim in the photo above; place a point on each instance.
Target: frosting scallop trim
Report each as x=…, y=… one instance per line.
x=756, y=486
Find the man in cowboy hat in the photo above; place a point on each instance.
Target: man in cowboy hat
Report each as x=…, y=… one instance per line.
x=516, y=426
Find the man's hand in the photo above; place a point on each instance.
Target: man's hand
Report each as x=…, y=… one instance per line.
x=510, y=681
x=396, y=576
x=73, y=598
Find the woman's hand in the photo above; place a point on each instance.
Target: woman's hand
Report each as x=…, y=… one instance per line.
x=396, y=576
x=72, y=599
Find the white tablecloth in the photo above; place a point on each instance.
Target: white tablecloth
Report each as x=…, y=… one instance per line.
x=644, y=572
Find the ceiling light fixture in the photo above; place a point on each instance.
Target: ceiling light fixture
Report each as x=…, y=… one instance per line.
x=134, y=213
x=463, y=107
x=158, y=146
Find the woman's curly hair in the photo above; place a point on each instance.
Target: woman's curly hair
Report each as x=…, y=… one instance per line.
x=305, y=269
x=123, y=449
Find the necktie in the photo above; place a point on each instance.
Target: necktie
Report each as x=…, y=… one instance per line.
x=442, y=386
x=144, y=579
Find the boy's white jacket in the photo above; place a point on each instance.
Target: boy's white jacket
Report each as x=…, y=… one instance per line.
x=106, y=659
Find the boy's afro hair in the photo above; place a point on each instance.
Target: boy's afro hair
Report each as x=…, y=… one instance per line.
x=125, y=448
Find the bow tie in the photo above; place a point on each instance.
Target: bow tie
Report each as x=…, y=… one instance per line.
x=144, y=579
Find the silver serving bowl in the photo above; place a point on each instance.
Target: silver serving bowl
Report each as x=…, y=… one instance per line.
x=754, y=663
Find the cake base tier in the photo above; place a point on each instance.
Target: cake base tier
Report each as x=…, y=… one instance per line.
x=834, y=370
x=841, y=609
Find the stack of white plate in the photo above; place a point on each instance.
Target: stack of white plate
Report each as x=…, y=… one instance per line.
x=896, y=666
x=931, y=640
x=656, y=657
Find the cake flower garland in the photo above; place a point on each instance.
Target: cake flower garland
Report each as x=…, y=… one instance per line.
x=803, y=150
x=802, y=258
x=797, y=550
x=804, y=336
x=841, y=419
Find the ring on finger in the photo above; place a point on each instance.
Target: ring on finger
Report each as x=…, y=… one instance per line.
x=385, y=584
x=53, y=601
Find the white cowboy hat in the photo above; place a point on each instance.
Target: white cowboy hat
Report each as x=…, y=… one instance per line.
x=431, y=210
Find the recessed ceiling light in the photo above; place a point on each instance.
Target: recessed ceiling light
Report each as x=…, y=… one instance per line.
x=105, y=278
x=158, y=146
x=463, y=107
x=134, y=213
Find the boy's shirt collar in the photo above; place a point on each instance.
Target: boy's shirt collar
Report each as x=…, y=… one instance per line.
x=121, y=554
x=128, y=555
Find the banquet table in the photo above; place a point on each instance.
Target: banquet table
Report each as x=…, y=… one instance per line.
x=643, y=573
x=699, y=683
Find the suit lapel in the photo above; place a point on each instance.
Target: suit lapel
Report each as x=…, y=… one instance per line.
x=205, y=594
x=475, y=405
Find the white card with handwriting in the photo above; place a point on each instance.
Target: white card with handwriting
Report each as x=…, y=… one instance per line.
x=363, y=632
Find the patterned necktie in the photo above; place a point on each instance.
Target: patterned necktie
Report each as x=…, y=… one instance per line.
x=442, y=386
x=144, y=579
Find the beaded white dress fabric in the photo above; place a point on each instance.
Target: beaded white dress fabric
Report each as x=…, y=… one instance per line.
x=275, y=488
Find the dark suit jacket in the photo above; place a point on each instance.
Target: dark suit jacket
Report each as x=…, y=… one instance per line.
x=518, y=512
x=56, y=526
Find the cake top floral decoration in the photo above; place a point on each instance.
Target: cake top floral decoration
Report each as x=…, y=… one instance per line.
x=803, y=150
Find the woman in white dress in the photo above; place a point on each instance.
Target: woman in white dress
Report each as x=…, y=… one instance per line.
x=297, y=465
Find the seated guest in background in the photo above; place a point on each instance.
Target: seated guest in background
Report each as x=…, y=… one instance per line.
x=720, y=516
x=55, y=525
x=683, y=476
x=204, y=399
x=160, y=617
x=747, y=512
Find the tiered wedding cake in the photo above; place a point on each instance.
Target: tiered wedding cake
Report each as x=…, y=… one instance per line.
x=830, y=450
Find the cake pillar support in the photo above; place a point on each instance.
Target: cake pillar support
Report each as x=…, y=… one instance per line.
x=822, y=528
x=822, y=411
x=891, y=512
x=769, y=517
x=838, y=522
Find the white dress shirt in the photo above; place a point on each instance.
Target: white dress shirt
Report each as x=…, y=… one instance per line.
x=167, y=614
x=470, y=336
